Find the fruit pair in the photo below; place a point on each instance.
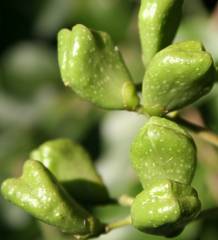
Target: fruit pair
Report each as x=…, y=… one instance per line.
x=57, y=185
x=164, y=157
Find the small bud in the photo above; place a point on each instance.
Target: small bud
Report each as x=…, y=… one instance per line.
x=163, y=150
x=73, y=168
x=93, y=67
x=38, y=192
x=176, y=77
x=164, y=208
x=158, y=23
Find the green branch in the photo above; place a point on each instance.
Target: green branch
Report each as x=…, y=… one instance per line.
x=118, y=224
x=208, y=213
x=124, y=200
x=199, y=131
x=202, y=132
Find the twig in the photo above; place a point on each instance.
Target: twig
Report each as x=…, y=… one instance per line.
x=140, y=110
x=201, y=132
x=125, y=200
x=121, y=223
x=208, y=213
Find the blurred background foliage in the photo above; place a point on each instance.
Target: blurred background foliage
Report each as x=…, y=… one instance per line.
x=35, y=106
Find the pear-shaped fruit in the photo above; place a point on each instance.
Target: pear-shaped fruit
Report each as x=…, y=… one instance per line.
x=92, y=66
x=165, y=207
x=72, y=166
x=158, y=23
x=38, y=192
x=163, y=150
x=177, y=76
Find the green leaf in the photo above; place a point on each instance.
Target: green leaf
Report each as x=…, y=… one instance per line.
x=163, y=150
x=93, y=67
x=158, y=23
x=73, y=168
x=38, y=192
x=177, y=76
x=165, y=207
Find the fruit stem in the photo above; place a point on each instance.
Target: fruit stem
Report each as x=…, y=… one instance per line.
x=118, y=224
x=125, y=200
x=199, y=131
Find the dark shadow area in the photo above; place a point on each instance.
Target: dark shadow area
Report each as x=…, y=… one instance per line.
x=87, y=192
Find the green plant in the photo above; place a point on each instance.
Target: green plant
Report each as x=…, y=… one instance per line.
x=60, y=185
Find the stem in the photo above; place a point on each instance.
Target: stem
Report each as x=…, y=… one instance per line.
x=201, y=132
x=140, y=110
x=208, y=213
x=121, y=223
x=125, y=200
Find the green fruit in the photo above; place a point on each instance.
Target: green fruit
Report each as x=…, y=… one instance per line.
x=177, y=76
x=93, y=67
x=158, y=23
x=73, y=168
x=165, y=207
x=163, y=150
x=38, y=192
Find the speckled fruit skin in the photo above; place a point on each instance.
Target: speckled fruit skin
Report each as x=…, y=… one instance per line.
x=164, y=157
x=164, y=207
x=71, y=165
x=93, y=67
x=38, y=192
x=177, y=76
x=158, y=23
x=163, y=150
